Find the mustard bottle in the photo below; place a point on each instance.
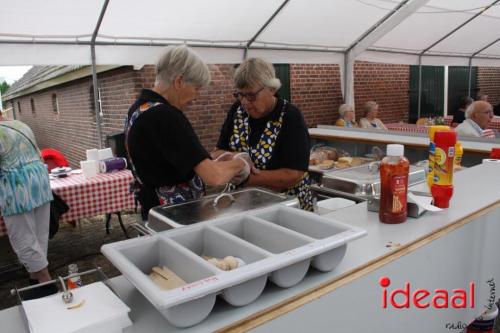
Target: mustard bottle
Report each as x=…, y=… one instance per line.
x=432, y=151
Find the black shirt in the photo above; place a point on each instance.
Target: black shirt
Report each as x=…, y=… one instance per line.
x=458, y=117
x=162, y=143
x=292, y=145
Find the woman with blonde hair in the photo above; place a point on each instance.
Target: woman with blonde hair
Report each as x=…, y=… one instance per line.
x=370, y=120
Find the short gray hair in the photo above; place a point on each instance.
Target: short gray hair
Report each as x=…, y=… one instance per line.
x=254, y=72
x=470, y=110
x=344, y=108
x=370, y=105
x=181, y=60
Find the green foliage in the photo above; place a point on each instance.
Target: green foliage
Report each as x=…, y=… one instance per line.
x=4, y=86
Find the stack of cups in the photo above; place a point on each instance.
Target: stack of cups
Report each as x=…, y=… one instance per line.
x=90, y=167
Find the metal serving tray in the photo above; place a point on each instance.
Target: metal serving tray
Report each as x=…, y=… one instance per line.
x=167, y=217
x=364, y=180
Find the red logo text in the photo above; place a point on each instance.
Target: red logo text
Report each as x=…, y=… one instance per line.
x=423, y=298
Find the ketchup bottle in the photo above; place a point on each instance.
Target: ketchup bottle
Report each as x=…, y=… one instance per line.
x=442, y=187
x=394, y=171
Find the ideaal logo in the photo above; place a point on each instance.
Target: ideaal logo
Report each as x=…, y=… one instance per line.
x=423, y=298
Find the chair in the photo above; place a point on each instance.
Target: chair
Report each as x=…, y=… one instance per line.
x=53, y=158
x=422, y=121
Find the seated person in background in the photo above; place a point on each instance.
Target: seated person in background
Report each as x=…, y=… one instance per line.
x=346, y=116
x=482, y=97
x=477, y=119
x=459, y=115
x=370, y=120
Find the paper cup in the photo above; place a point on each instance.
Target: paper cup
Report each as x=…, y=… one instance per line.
x=490, y=161
x=92, y=155
x=105, y=154
x=89, y=168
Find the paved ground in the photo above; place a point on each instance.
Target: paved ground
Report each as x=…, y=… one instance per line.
x=80, y=245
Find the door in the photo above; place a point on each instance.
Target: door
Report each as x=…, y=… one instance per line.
x=432, y=97
x=458, y=85
x=283, y=73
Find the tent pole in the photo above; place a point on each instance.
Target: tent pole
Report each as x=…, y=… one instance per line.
x=97, y=106
x=470, y=78
x=460, y=26
x=419, y=86
x=269, y=20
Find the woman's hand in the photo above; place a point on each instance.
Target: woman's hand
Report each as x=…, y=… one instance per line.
x=243, y=175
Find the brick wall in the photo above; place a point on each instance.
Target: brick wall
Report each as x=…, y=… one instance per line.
x=316, y=91
x=73, y=129
x=488, y=82
x=385, y=84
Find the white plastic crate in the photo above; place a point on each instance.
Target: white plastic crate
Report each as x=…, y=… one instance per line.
x=279, y=243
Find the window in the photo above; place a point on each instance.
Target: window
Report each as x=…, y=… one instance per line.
x=19, y=107
x=32, y=101
x=55, y=104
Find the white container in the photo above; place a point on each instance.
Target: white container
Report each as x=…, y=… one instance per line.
x=92, y=155
x=278, y=242
x=105, y=153
x=335, y=203
x=89, y=168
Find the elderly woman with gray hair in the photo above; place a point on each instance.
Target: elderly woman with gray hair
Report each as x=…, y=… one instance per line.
x=270, y=129
x=346, y=116
x=169, y=163
x=370, y=120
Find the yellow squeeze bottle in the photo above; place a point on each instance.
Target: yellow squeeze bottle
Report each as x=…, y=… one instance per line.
x=459, y=152
x=432, y=151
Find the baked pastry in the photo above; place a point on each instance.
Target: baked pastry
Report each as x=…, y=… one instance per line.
x=326, y=164
x=345, y=159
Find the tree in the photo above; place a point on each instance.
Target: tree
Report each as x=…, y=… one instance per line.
x=4, y=86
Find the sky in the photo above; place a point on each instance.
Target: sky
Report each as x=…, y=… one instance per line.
x=13, y=73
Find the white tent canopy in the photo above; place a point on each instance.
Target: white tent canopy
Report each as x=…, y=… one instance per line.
x=305, y=31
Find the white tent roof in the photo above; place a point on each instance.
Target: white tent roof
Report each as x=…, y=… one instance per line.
x=294, y=31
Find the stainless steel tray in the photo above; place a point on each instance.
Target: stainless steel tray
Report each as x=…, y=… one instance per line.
x=168, y=217
x=364, y=180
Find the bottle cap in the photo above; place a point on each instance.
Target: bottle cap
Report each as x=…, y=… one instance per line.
x=395, y=150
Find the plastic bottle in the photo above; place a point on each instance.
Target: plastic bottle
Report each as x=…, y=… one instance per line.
x=432, y=148
x=394, y=171
x=75, y=281
x=459, y=152
x=442, y=187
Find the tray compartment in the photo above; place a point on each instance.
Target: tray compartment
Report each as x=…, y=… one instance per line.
x=274, y=239
x=301, y=222
x=141, y=257
x=216, y=243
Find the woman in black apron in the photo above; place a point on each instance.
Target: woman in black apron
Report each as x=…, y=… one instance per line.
x=168, y=161
x=271, y=130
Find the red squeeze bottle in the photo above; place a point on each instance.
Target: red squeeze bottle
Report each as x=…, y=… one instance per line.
x=442, y=188
x=394, y=171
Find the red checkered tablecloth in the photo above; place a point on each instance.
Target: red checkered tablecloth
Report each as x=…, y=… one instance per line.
x=105, y=193
x=403, y=127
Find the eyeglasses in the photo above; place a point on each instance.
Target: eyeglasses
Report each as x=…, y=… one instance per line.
x=251, y=97
x=489, y=112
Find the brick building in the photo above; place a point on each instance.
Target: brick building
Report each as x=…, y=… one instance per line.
x=57, y=101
